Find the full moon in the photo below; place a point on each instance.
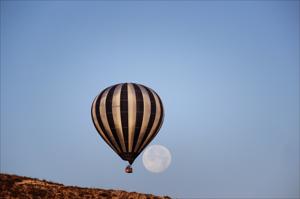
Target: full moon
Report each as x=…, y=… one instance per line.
x=156, y=158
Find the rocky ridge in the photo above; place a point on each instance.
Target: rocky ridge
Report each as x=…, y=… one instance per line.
x=13, y=186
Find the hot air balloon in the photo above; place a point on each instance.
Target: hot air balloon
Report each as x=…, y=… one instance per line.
x=127, y=116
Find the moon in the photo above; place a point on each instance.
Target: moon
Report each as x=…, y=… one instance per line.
x=156, y=158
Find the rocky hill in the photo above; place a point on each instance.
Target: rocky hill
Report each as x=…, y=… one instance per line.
x=13, y=186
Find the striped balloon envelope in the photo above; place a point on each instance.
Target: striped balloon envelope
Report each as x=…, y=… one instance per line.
x=127, y=116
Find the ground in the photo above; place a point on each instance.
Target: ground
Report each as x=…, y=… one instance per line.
x=13, y=186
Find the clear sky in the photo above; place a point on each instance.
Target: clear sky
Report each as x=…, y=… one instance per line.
x=227, y=73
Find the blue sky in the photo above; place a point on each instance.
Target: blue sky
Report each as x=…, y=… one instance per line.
x=227, y=73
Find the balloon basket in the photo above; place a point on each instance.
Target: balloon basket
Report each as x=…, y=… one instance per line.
x=128, y=169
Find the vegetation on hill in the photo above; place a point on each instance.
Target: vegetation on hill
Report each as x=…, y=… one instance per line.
x=13, y=186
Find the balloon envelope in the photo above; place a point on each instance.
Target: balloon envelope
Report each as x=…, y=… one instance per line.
x=127, y=116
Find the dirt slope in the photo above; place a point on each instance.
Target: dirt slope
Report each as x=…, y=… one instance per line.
x=13, y=186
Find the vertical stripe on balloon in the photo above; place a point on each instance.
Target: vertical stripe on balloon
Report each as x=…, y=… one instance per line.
x=124, y=113
x=157, y=122
x=151, y=119
x=146, y=116
x=97, y=126
x=104, y=120
x=131, y=115
x=139, y=113
x=109, y=114
x=116, y=113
